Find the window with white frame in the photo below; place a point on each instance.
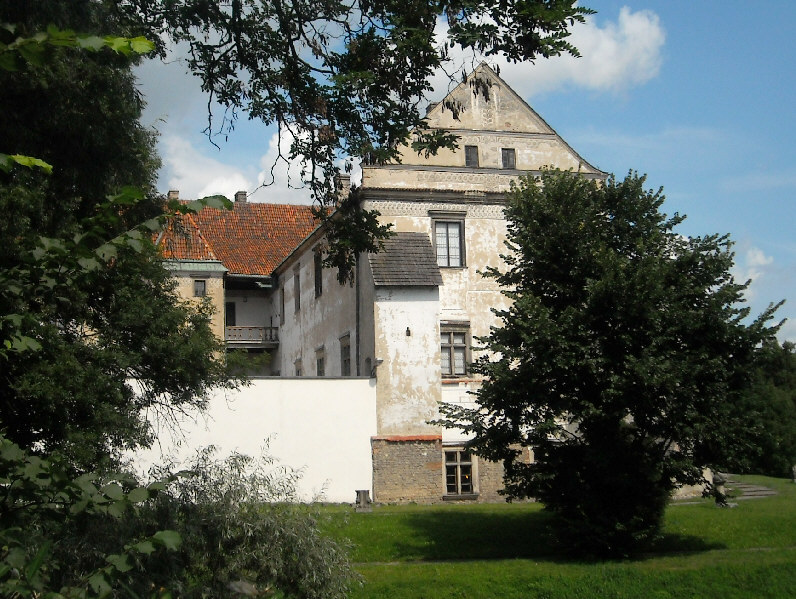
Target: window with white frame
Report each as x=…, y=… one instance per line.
x=459, y=473
x=199, y=288
x=453, y=349
x=449, y=242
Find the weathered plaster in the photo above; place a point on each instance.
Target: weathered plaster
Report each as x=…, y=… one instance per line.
x=408, y=379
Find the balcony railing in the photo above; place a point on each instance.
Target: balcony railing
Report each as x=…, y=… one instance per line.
x=251, y=335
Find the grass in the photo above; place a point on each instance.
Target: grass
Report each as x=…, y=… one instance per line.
x=504, y=551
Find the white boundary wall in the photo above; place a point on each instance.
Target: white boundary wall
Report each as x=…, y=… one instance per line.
x=322, y=426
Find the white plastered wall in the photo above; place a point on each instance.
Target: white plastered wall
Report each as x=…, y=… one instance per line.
x=322, y=426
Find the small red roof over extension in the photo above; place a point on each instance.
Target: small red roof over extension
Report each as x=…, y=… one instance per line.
x=251, y=239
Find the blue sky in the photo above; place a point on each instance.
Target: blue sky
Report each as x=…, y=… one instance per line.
x=697, y=95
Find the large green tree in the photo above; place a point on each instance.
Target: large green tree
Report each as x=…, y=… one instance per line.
x=618, y=361
x=81, y=317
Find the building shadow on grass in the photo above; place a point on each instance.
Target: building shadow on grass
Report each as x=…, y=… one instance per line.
x=446, y=535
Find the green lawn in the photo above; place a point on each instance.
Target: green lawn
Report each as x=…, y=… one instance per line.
x=503, y=551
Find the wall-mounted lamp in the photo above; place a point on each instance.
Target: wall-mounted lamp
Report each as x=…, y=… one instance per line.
x=408, y=332
x=376, y=363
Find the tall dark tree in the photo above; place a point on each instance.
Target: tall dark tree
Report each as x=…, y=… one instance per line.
x=78, y=325
x=618, y=361
x=766, y=414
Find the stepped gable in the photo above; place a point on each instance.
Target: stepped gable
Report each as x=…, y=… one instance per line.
x=253, y=238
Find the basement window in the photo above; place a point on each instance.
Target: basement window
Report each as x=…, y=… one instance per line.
x=459, y=474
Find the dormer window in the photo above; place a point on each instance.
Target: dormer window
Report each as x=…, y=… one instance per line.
x=470, y=155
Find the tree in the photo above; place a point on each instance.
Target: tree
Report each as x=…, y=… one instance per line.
x=767, y=413
x=87, y=306
x=618, y=361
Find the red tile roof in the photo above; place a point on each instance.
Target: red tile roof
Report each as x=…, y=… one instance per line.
x=251, y=239
x=182, y=240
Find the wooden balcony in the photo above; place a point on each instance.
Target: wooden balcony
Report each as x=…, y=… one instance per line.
x=252, y=336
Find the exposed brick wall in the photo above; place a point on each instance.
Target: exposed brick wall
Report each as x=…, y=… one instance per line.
x=411, y=469
x=407, y=469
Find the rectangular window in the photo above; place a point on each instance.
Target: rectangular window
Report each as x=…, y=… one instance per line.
x=345, y=355
x=296, y=290
x=229, y=314
x=318, y=274
x=449, y=242
x=459, y=472
x=470, y=155
x=509, y=158
x=320, y=362
x=297, y=367
x=199, y=288
x=453, y=351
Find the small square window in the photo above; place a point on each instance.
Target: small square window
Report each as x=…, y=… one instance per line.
x=509, y=157
x=470, y=155
x=199, y=288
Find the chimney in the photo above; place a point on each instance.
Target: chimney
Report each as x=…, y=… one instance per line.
x=343, y=184
x=174, y=194
x=240, y=196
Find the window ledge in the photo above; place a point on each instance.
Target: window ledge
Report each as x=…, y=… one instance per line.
x=463, y=497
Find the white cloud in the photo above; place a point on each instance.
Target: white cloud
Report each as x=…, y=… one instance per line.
x=196, y=175
x=615, y=56
x=754, y=265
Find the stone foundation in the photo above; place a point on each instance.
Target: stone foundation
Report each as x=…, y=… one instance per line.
x=411, y=469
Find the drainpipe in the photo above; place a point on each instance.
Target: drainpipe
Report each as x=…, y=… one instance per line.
x=356, y=325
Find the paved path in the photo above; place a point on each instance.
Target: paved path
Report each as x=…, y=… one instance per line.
x=740, y=491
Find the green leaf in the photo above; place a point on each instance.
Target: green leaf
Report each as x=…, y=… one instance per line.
x=30, y=162
x=99, y=583
x=141, y=45
x=33, y=53
x=90, y=42
x=138, y=495
x=120, y=562
x=113, y=491
x=144, y=547
x=170, y=539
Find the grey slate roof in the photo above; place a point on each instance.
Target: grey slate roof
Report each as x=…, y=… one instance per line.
x=407, y=260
